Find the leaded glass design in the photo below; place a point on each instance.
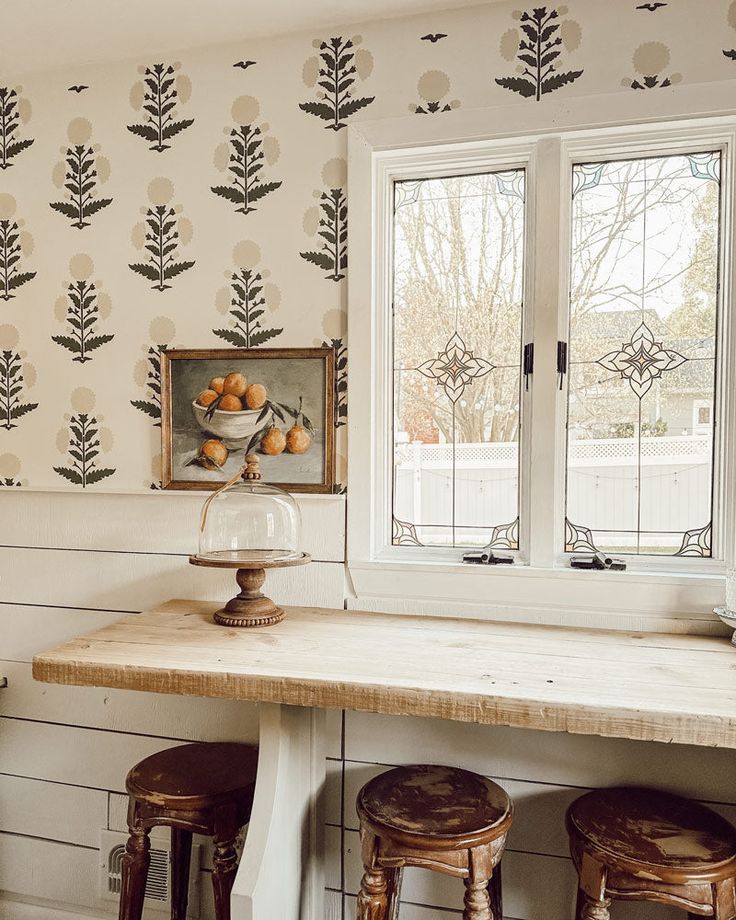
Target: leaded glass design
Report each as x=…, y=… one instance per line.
x=643, y=344
x=457, y=280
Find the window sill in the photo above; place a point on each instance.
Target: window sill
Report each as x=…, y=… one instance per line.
x=639, y=601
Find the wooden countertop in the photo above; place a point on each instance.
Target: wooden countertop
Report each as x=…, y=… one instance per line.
x=646, y=686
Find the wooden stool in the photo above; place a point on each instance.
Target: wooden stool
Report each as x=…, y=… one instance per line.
x=436, y=818
x=193, y=789
x=645, y=845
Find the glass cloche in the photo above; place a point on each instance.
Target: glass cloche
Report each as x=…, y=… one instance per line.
x=250, y=526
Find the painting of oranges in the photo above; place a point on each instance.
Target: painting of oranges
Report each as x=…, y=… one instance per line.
x=220, y=404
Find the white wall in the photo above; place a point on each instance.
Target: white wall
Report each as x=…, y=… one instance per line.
x=71, y=564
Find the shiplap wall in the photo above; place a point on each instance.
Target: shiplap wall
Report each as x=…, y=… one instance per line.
x=71, y=563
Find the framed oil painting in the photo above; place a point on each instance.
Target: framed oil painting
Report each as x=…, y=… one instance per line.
x=219, y=404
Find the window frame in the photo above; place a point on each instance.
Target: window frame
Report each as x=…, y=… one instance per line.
x=546, y=141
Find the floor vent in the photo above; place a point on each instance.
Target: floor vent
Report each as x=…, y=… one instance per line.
x=158, y=892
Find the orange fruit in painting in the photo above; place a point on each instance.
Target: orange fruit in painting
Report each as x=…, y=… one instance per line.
x=217, y=384
x=230, y=403
x=273, y=442
x=235, y=385
x=206, y=398
x=213, y=454
x=298, y=439
x=255, y=396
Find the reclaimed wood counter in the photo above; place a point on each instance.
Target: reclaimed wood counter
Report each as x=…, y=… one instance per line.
x=644, y=686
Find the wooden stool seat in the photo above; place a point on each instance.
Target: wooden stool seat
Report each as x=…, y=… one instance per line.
x=632, y=843
x=434, y=807
x=183, y=777
x=193, y=789
x=432, y=817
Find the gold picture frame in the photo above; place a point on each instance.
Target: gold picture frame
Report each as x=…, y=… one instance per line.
x=296, y=397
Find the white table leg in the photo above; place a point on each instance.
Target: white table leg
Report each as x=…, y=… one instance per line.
x=281, y=875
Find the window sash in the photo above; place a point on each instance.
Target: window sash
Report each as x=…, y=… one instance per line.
x=548, y=162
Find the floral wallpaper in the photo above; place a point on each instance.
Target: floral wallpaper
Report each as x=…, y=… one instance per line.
x=200, y=199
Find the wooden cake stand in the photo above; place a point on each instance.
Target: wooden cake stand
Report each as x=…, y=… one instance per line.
x=250, y=607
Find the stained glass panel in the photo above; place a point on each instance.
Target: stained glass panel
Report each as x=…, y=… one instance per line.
x=642, y=351
x=457, y=324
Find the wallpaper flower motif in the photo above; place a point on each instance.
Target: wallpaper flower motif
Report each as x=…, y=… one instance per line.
x=334, y=72
x=328, y=221
x=731, y=19
x=433, y=87
x=9, y=471
x=537, y=45
x=16, y=376
x=16, y=244
x=250, y=147
x=81, y=171
x=81, y=309
x=158, y=94
x=160, y=235
x=147, y=373
x=650, y=60
x=83, y=440
x=246, y=299
x=14, y=111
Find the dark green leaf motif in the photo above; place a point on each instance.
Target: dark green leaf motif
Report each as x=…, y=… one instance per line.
x=84, y=448
x=11, y=390
x=82, y=317
x=247, y=308
x=159, y=103
x=539, y=48
x=10, y=146
x=332, y=257
x=161, y=244
x=245, y=164
x=341, y=380
x=10, y=256
x=336, y=79
x=80, y=184
x=152, y=406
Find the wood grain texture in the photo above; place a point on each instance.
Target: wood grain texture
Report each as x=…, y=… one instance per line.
x=639, y=686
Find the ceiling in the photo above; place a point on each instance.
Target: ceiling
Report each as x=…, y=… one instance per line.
x=46, y=34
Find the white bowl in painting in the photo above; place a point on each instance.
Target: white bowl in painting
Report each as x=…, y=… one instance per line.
x=234, y=428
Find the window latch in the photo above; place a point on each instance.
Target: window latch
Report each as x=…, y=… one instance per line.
x=487, y=557
x=598, y=561
x=561, y=362
x=528, y=363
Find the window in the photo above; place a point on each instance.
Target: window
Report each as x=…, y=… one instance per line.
x=644, y=257
x=547, y=357
x=458, y=272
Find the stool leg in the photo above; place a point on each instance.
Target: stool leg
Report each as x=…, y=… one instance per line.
x=477, y=898
x=224, y=867
x=135, y=864
x=394, y=877
x=373, y=898
x=588, y=909
x=181, y=855
x=496, y=894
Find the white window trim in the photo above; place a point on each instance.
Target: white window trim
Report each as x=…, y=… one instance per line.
x=378, y=150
